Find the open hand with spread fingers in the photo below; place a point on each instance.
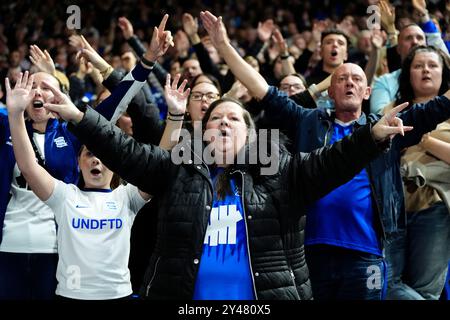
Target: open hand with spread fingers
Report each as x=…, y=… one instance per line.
x=265, y=30
x=42, y=60
x=215, y=28
x=176, y=97
x=86, y=51
x=190, y=25
x=20, y=97
x=126, y=27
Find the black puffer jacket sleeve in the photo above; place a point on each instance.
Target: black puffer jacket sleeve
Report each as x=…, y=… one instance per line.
x=226, y=81
x=136, y=45
x=144, y=165
x=113, y=80
x=304, y=99
x=301, y=64
x=147, y=126
x=160, y=73
x=313, y=175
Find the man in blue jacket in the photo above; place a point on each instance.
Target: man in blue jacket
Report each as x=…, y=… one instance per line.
x=347, y=229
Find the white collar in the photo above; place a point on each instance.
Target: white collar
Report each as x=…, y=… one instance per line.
x=344, y=124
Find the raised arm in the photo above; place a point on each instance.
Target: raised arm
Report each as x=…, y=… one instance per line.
x=143, y=165
x=127, y=29
x=115, y=105
x=432, y=33
x=387, y=18
x=283, y=111
x=176, y=98
x=286, y=62
x=248, y=76
x=190, y=27
x=42, y=60
x=138, y=47
x=374, y=58
x=90, y=54
x=424, y=117
x=17, y=99
x=316, y=90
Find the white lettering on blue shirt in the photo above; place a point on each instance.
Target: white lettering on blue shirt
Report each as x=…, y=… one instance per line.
x=222, y=228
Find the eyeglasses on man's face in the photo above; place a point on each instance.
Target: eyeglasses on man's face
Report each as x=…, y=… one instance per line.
x=295, y=86
x=210, y=96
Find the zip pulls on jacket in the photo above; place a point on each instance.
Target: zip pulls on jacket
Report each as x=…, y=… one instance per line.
x=375, y=199
x=356, y=125
x=292, y=276
x=327, y=133
x=204, y=231
x=373, y=192
x=153, y=277
x=246, y=231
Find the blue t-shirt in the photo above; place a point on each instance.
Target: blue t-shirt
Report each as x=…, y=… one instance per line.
x=345, y=216
x=224, y=271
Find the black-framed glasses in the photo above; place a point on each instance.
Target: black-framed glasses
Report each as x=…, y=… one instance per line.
x=295, y=86
x=210, y=96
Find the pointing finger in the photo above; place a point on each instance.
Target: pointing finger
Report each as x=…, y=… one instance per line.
x=399, y=124
x=392, y=113
x=407, y=128
x=162, y=25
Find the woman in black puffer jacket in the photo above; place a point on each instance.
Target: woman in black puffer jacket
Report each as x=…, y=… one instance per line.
x=225, y=230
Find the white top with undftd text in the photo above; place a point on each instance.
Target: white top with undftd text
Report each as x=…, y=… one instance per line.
x=94, y=228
